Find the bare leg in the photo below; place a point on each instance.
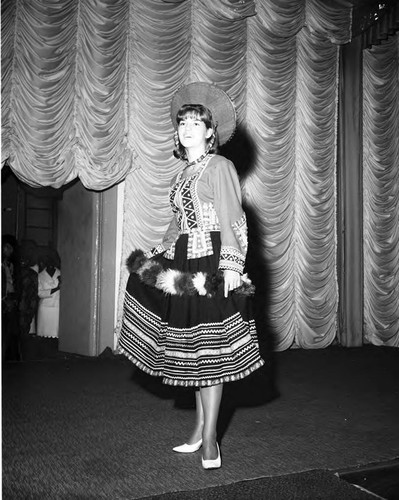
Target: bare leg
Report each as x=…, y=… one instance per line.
x=199, y=420
x=210, y=399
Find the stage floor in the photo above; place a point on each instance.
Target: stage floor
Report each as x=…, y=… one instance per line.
x=76, y=427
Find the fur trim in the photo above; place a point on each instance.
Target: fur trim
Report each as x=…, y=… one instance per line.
x=166, y=281
x=199, y=282
x=184, y=284
x=135, y=260
x=174, y=282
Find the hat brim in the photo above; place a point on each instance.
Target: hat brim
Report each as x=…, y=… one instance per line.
x=215, y=99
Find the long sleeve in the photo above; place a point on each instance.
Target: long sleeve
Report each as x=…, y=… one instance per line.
x=169, y=238
x=233, y=225
x=45, y=284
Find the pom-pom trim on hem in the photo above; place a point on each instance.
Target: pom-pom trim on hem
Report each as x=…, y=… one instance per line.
x=174, y=282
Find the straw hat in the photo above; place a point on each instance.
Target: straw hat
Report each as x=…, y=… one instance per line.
x=215, y=99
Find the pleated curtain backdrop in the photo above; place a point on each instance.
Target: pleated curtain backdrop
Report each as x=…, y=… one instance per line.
x=381, y=192
x=282, y=76
x=86, y=93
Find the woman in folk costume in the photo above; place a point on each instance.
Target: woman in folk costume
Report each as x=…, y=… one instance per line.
x=187, y=311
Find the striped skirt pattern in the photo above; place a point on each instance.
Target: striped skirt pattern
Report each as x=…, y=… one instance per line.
x=189, y=340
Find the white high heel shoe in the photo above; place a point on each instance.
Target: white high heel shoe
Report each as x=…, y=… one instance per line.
x=213, y=464
x=188, y=448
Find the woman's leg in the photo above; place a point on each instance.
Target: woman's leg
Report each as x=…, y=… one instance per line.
x=199, y=420
x=210, y=399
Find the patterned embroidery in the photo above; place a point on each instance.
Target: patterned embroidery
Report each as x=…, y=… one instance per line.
x=170, y=253
x=155, y=251
x=195, y=218
x=198, y=219
x=209, y=217
x=231, y=259
x=199, y=355
x=185, y=201
x=241, y=230
x=199, y=244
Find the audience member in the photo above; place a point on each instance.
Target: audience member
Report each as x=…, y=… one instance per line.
x=49, y=295
x=9, y=299
x=29, y=287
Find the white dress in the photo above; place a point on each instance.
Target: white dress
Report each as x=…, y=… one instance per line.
x=49, y=304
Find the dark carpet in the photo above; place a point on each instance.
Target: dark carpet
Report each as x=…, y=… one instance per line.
x=95, y=428
x=302, y=486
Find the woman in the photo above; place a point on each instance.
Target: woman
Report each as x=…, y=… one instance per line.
x=29, y=300
x=49, y=284
x=11, y=346
x=201, y=332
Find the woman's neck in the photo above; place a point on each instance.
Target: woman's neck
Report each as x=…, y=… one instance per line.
x=194, y=166
x=50, y=270
x=194, y=154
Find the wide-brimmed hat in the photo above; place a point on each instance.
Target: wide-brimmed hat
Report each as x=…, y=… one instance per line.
x=215, y=99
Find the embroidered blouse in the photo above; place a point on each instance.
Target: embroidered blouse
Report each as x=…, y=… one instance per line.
x=207, y=201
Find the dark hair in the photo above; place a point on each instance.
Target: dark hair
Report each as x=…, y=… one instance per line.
x=9, y=239
x=48, y=256
x=29, y=252
x=205, y=115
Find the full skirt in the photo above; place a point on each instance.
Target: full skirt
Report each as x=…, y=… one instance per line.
x=189, y=340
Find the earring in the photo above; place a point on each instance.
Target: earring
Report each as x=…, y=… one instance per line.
x=176, y=139
x=211, y=140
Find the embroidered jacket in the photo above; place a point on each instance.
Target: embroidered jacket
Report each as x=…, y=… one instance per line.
x=209, y=200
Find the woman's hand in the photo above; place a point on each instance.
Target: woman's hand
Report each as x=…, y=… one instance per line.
x=232, y=280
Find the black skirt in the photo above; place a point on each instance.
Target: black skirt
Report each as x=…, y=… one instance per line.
x=189, y=340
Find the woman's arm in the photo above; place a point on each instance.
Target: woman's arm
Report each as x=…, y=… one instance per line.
x=47, y=287
x=233, y=226
x=169, y=238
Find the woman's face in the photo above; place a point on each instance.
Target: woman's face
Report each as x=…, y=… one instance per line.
x=193, y=132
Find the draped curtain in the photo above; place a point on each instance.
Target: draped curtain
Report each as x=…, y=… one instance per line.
x=280, y=68
x=86, y=90
x=381, y=192
x=64, y=113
